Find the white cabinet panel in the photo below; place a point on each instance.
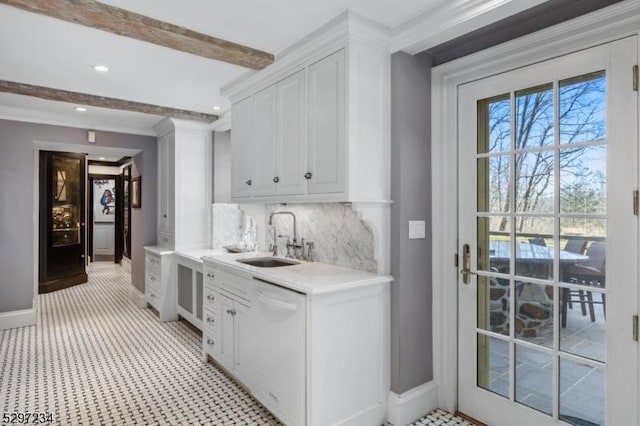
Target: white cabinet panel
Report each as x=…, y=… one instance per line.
x=264, y=142
x=292, y=135
x=243, y=336
x=226, y=340
x=241, y=149
x=327, y=125
x=166, y=187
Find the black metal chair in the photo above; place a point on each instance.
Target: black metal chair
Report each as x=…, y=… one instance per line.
x=538, y=241
x=591, y=273
x=575, y=246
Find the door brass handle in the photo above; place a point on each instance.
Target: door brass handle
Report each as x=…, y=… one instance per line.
x=466, y=264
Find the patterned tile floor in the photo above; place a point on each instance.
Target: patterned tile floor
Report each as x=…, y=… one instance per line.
x=95, y=358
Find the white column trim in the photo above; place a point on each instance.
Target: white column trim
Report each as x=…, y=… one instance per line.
x=14, y=319
x=409, y=406
x=608, y=24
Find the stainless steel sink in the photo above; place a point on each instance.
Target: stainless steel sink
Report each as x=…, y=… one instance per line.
x=267, y=262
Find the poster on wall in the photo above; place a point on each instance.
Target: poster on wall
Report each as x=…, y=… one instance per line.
x=104, y=200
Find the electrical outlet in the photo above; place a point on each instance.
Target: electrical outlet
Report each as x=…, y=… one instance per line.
x=417, y=229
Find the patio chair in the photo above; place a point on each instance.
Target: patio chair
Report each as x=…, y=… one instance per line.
x=575, y=246
x=591, y=273
x=538, y=241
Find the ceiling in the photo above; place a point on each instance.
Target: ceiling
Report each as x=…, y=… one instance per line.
x=44, y=51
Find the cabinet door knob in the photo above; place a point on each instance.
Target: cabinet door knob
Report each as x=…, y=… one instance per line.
x=210, y=297
x=308, y=175
x=276, y=179
x=209, y=319
x=210, y=341
x=164, y=215
x=248, y=182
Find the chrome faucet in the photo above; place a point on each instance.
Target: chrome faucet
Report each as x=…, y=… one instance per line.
x=295, y=235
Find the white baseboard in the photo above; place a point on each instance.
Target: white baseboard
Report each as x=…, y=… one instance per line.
x=14, y=319
x=137, y=298
x=126, y=264
x=405, y=408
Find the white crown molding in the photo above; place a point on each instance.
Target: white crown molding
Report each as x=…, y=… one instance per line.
x=53, y=119
x=222, y=124
x=452, y=19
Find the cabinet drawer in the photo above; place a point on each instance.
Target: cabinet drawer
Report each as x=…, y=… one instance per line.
x=152, y=263
x=235, y=285
x=210, y=300
x=209, y=344
x=209, y=322
x=208, y=275
x=153, y=282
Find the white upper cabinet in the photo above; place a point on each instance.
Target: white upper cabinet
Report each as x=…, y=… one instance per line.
x=184, y=190
x=265, y=168
x=321, y=120
x=241, y=149
x=292, y=135
x=327, y=125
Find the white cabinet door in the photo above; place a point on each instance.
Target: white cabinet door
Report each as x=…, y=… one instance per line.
x=241, y=149
x=292, y=135
x=327, y=125
x=166, y=187
x=264, y=142
x=226, y=340
x=242, y=350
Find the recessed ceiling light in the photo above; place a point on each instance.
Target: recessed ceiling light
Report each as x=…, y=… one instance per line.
x=216, y=108
x=101, y=68
x=81, y=109
x=102, y=158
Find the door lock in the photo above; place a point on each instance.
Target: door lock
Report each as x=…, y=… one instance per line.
x=466, y=264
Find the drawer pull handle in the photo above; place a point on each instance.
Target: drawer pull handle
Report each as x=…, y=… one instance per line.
x=209, y=319
x=210, y=341
x=210, y=297
x=231, y=312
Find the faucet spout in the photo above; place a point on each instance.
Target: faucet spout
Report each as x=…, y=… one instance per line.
x=295, y=234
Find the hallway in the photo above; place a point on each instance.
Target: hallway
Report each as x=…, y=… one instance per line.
x=95, y=358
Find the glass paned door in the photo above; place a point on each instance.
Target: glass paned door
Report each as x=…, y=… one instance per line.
x=547, y=169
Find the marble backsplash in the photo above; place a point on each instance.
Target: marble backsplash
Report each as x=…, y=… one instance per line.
x=339, y=236
x=226, y=227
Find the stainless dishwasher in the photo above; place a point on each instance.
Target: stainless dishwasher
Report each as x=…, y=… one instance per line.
x=279, y=345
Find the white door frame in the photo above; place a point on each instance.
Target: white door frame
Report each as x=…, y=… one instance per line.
x=611, y=23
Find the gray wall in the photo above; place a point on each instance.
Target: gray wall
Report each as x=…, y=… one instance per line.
x=411, y=299
x=17, y=171
x=222, y=167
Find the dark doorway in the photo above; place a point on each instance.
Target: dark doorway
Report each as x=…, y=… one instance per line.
x=61, y=220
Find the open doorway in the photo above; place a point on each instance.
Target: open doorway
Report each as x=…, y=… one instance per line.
x=109, y=215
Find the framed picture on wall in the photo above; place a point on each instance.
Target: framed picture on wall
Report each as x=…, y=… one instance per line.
x=136, y=192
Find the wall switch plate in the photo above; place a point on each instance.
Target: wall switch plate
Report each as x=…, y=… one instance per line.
x=417, y=229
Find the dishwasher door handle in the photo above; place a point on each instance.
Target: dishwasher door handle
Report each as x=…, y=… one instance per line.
x=285, y=306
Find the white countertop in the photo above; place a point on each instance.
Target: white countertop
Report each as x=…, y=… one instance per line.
x=306, y=277
x=158, y=250
x=197, y=255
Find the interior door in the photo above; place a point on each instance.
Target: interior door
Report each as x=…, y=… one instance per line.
x=548, y=162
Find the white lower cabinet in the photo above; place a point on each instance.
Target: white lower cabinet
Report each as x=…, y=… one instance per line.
x=311, y=359
x=157, y=270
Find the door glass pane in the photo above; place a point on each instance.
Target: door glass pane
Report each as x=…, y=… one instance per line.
x=493, y=365
x=582, y=325
x=534, y=247
x=581, y=393
x=67, y=195
x=583, y=183
x=583, y=108
x=494, y=244
x=494, y=304
x=534, y=385
x=534, y=313
x=534, y=117
x=534, y=182
x=494, y=121
x=494, y=195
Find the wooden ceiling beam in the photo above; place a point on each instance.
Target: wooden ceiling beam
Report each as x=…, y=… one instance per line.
x=101, y=101
x=122, y=22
